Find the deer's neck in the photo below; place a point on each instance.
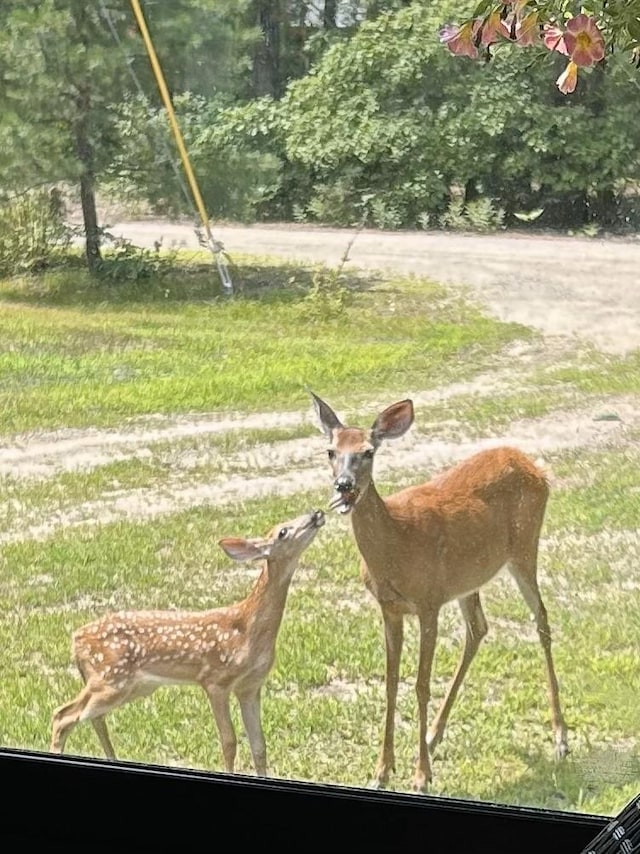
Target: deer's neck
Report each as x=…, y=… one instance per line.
x=373, y=526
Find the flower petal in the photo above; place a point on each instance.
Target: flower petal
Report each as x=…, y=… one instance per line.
x=554, y=39
x=568, y=80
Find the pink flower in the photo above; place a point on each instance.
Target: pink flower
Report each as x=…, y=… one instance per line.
x=553, y=39
x=568, y=80
x=584, y=40
x=461, y=40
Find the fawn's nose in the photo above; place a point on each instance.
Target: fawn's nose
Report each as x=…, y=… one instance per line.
x=318, y=518
x=344, y=483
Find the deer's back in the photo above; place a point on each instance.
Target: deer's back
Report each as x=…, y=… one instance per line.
x=493, y=476
x=457, y=529
x=492, y=472
x=121, y=640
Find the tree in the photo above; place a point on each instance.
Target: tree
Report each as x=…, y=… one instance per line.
x=61, y=71
x=64, y=69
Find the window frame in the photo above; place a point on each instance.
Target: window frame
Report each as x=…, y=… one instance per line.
x=125, y=806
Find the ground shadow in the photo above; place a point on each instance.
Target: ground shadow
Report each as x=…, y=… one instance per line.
x=571, y=784
x=156, y=281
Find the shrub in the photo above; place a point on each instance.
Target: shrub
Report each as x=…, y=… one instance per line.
x=33, y=233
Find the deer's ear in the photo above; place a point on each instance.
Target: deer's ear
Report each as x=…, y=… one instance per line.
x=393, y=422
x=238, y=548
x=329, y=421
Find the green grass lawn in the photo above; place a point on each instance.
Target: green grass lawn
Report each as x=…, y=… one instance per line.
x=74, y=354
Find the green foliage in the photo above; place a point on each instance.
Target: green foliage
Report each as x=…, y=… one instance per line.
x=233, y=179
x=389, y=115
x=328, y=297
x=125, y=262
x=475, y=215
x=33, y=234
x=454, y=217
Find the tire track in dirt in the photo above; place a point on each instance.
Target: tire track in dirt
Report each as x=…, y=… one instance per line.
x=556, y=432
x=42, y=455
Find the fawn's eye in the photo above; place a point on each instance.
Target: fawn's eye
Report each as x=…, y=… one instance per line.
x=282, y=533
x=368, y=455
x=331, y=454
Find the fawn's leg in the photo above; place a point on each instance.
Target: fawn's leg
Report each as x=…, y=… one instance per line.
x=91, y=703
x=475, y=630
x=250, y=709
x=100, y=726
x=219, y=700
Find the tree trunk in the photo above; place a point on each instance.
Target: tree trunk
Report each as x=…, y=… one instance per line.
x=84, y=150
x=329, y=14
x=266, y=58
x=90, y=217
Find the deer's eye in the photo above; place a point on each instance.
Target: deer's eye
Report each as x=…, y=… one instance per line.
x=282, y=533
x=368, y=455
x=331, y=454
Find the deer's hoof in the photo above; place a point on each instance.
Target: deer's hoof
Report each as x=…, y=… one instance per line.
x=420, y=785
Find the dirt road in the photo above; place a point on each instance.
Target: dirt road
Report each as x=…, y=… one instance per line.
x=571, y=286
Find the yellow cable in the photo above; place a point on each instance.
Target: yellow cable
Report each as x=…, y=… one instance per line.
x=164, y=92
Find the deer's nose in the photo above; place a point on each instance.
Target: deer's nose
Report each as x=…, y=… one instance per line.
x=318, y=517
x=343, y=484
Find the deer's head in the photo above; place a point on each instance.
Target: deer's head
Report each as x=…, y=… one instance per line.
x=352, y=449
x=282, y=546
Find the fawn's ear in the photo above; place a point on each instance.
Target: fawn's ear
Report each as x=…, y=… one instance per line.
x=238, y=548
x=393, y=422
x=327, y=417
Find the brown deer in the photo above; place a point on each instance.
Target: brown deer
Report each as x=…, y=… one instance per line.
x=129, y=654
x=432, y=543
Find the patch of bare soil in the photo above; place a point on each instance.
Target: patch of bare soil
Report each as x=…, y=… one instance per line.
x=284, y=467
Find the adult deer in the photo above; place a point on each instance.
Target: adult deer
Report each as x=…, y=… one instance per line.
x=129, y=654
x=432, y=543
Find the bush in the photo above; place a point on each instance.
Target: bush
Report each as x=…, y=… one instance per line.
x=33, y=233
x=476, y=215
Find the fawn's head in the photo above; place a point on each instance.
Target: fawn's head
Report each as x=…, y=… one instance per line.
x=282, y=546
x=351, y=449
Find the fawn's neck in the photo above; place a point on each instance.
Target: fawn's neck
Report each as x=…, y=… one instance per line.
x=265, y=604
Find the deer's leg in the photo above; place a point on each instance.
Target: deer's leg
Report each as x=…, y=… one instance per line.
x=525, y=576
x=250, y=710
x=91, y=703
x=219, y=700
x=393, y=636
x=428, y=635
x=100, y=726
x=475, y=630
